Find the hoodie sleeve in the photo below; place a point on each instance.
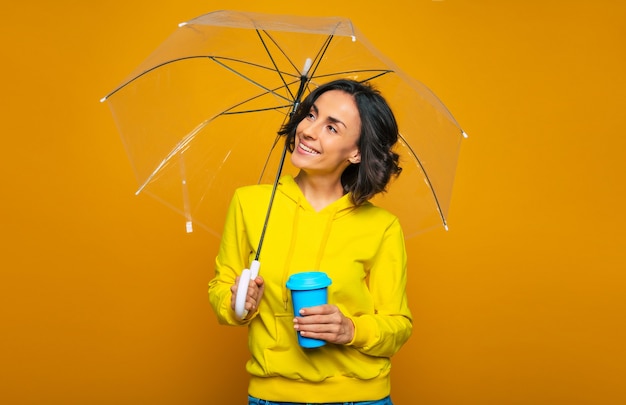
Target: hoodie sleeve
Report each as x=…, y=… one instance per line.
x=230, y=261
x=384, y=332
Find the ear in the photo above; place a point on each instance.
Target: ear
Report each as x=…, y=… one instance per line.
x=356, y=158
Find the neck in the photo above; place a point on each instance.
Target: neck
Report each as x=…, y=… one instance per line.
x=319, y=191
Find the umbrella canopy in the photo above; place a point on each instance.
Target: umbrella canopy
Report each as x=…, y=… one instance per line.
x=199, y=117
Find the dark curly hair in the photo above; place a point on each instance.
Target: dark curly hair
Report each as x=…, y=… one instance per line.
x=379, y=133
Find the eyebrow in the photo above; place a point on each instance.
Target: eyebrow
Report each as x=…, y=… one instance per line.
x=330, y=118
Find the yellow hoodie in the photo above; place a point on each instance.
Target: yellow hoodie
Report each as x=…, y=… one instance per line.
x=362, y=251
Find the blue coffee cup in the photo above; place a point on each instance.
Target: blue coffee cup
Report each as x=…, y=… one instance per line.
x=308, y=289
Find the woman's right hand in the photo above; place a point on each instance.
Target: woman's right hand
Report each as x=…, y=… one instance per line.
x=253, y=297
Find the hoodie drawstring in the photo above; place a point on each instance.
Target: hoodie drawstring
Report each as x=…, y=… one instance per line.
x=324, y=241
x=294, y=232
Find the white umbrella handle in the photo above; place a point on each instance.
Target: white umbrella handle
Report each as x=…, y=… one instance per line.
x=242, y=288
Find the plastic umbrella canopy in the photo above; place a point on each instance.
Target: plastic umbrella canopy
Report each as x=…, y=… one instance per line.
x=199, y=117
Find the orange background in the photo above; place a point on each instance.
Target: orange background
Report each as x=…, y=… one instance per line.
x=103, y=295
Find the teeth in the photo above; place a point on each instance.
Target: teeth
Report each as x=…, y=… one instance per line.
x=307, y=149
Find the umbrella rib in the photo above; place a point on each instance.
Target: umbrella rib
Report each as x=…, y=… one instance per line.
x=272, y=91
x=145, y=72
x=346, y=72
x=213, y=58
x=269, y=54
x=277, y=108
x=246, y=63
x=427, y=178
x=320, y=54
x=179, y=146
x=189, y=137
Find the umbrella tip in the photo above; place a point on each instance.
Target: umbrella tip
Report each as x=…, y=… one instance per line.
x=189, y=226
x=182, y=24
x=464, y=134
x=103, y=99
x=307, y=66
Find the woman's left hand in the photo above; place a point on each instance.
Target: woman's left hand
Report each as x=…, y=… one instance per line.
x=325, y=322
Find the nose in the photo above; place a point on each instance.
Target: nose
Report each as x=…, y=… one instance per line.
x=308, y=129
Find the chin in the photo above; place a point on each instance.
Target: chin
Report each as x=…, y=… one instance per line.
x=295, y=161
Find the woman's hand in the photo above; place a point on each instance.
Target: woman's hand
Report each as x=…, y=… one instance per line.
x=253, y=297
x=325, y=322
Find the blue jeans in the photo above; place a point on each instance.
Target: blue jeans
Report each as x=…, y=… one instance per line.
x=257, y=401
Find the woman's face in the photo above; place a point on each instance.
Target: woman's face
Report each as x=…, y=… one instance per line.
x=326, y=140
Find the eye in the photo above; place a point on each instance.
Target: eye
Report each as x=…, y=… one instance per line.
x=332, y=129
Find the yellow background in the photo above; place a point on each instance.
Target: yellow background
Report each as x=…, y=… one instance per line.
x=103, y=295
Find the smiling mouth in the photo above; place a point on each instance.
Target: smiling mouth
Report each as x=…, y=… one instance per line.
x=307, y=149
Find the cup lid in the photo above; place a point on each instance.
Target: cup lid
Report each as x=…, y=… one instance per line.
x=308, y=280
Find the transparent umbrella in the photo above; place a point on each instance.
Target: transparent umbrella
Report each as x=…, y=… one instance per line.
x=199, y=117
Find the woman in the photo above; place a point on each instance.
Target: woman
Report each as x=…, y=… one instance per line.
x=340, y=139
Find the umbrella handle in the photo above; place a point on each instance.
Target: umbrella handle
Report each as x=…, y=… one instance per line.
x=242, y=289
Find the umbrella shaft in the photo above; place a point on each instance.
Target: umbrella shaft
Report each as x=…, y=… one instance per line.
x=269, y=207
x=303, y=80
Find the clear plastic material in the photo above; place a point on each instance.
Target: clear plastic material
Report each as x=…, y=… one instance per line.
x=199, y=117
